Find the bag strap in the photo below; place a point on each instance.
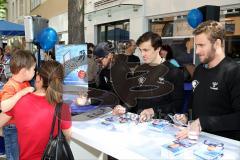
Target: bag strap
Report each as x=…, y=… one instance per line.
x=56, y=113
x=59, y=118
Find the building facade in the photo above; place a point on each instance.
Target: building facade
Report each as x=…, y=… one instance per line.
x=141, y=14
x=119, y=20
x=17, y=9
x=56, y=11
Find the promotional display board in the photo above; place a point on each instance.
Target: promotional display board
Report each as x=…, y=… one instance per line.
x=74, y=60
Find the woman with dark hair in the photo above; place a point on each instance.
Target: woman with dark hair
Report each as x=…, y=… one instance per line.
x=166, y=52
x=34, y=112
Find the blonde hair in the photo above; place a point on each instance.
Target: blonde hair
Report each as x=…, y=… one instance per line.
x=52, y=73
x=213, y=29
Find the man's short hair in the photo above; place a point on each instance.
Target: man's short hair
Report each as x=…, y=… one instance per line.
x=21, y=59
x=155, y=39
x=213, y=29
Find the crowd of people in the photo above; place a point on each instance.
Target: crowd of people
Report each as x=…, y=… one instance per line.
x=215, y=101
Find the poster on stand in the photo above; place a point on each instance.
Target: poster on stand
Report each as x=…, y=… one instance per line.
x=74, y=60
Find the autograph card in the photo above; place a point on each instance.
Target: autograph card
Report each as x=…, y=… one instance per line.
x=173, y=148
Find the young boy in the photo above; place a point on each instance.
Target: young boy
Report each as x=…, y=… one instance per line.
x=22, y=66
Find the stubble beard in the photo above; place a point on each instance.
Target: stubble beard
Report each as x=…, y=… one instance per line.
x=210, y=56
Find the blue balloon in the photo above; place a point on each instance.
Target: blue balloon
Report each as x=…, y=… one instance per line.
x=194, y=18
x=47, y=38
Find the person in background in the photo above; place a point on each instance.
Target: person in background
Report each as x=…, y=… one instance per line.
x=166, y=52
x=1, y=61
x=106, y=58
x=7, y=55
x=50, y=55
x=187, y=57
x=1, y=55
x=6, y=61
x=35, y=111
x=216, y=96
x=16, y=45
x=150, y=45
x=132, y=60
x=188, y=69
x=92, y=67
x=22, y=66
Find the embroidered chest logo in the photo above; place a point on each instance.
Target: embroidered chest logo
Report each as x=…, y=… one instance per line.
x=141, y=80
x=160, y=80
x=106, y=79
x=194, y=84
x=214, y=86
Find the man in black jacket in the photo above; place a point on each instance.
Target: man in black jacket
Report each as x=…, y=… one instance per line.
x=216, y=87
x=107, y=59
x=159, y=89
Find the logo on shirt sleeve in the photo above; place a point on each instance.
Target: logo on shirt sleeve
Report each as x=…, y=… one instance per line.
x=194, y=84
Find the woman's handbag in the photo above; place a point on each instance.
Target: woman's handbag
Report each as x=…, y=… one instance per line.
x=58, y=147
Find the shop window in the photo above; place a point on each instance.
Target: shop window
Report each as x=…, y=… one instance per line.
x=35, y=3
x=170, y=26
x=115, y=32
x=175, y=29
x=231, y=20
x=176, y=33
x=182, y=48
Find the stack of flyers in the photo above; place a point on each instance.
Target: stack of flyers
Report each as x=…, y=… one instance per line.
x=163, y=126
x=159, y=124
x=184, y=142
x=173, y=148
x=210, y=150
x=178, y=146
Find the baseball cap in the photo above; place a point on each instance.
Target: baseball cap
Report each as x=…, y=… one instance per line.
x=103, y=49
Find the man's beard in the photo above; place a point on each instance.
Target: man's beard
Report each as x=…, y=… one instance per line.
x=210, y=55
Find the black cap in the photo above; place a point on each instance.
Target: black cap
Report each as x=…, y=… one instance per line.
x=103, y=49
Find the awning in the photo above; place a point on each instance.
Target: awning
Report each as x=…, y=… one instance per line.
x=11, y=29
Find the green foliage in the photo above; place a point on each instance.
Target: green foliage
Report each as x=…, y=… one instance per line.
x=3, y=9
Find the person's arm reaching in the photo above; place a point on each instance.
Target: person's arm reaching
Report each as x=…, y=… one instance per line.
x=9, y=103
x=118, y=110
x=146, y=115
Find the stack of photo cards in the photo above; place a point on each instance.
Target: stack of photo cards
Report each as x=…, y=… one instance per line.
x=173, y=148
x=125, y=118
x=178, y=146
x=120, y=123
x=163, y=126
x=186, y=143
x=210, y=152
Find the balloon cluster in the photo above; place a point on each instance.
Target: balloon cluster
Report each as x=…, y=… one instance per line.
x=47, y=38
x=194, y=18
